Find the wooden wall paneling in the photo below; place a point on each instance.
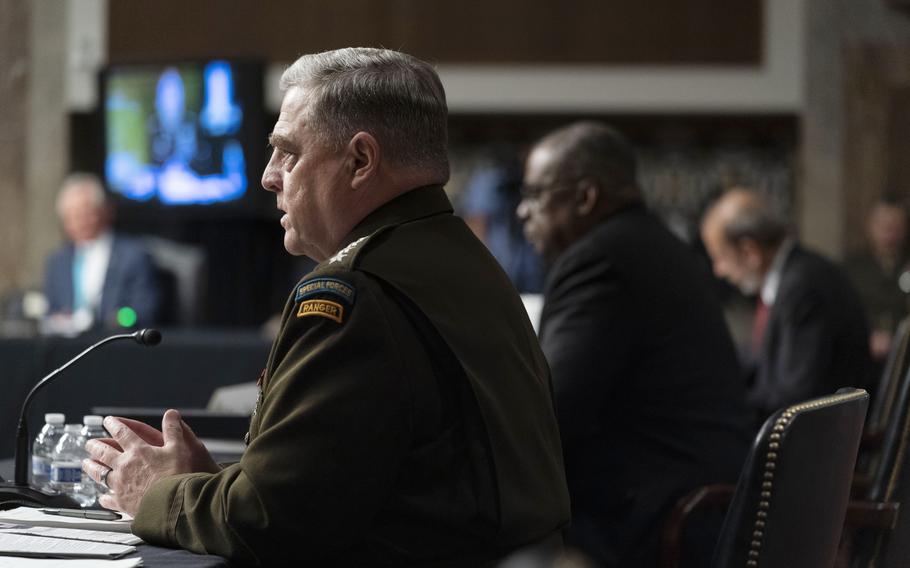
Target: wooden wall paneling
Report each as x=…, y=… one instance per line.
x=653, y=32
x=15, y=43
x=875, y=80
x=898, y=175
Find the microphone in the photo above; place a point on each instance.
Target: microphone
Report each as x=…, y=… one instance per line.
x=19, y=492
x=147, y=337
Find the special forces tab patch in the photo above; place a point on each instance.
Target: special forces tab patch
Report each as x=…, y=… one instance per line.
x=322, y=286
x=322, y=308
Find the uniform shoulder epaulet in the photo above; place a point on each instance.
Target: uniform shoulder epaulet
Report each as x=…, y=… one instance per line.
x=346, y=258
x=326, y=291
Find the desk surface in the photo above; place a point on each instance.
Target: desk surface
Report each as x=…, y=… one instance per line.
x=152, y=556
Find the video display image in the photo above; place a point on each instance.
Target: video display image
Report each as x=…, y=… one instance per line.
x=175, y=134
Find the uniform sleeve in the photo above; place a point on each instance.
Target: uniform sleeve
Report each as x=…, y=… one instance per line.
x=587, y=339
x=333, y=427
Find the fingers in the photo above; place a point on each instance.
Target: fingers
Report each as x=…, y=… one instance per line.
x=144, y=431
x=102, y=452
x=95, y=470
x=122, y=433
x=171, y=426
x=109, y=501
x=110, y=442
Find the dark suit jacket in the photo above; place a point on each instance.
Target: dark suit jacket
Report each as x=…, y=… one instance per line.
x=650, y=396
x=817, y=339
x=129, y=281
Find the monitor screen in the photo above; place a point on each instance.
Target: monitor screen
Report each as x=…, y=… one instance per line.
x=182, y=134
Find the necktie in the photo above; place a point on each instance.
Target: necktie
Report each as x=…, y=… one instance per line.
x=759, y=323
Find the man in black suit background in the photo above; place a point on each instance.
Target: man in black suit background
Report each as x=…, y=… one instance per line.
x=810, y=335
x=649, y=394
x=98, y=278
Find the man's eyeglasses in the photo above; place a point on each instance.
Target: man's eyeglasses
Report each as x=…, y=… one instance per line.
x=535, y=192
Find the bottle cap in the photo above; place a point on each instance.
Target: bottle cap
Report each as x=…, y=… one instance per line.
x=54, y=418
x=92, y=420
x=72, y=428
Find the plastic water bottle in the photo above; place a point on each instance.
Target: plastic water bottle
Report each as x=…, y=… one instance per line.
x=43, y=450
x=66, y=468
x=92, y=429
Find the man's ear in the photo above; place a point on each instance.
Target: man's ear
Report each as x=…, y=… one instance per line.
x=363, y=158
x=587, y=195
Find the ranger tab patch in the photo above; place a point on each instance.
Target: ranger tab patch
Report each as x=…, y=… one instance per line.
x=322, y=308
x=322, y=286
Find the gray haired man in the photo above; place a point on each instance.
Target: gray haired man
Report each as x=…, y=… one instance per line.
x=404, y=415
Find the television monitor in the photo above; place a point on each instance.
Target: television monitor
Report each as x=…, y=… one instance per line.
x=184, y=135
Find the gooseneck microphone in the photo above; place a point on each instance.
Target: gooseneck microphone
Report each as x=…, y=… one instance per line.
x=19, y=491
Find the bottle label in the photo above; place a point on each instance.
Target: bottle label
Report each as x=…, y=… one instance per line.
x=66, y=472
x=41, y=466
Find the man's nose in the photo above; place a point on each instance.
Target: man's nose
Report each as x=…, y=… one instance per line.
x=522, y=210
x=271, y=176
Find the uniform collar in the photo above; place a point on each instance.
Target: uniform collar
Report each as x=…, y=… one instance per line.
x=415, y=204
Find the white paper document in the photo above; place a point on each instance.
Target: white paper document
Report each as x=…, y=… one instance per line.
x=43, y=547
x=13, y=562
x=76, y=534
x=34, y=517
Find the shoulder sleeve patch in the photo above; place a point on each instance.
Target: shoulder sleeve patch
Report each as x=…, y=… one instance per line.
x=321, y=308
x=330, y=298
x=317, y=287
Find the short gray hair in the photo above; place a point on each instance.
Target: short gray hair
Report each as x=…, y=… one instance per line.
x=83, y=179
x=397, y=98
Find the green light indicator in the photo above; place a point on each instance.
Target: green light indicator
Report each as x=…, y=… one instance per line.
x=127, y=317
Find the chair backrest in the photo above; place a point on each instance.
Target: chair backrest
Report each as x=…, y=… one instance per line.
x=896, y=365
x=891, y=548
x=181, y=274
x=791, y=498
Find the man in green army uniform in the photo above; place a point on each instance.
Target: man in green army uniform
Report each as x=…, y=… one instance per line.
x=405, y=414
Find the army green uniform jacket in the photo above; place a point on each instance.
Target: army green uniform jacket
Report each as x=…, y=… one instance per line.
x=405, y=416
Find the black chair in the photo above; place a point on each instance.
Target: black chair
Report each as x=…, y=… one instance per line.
x=788, y=507
x=883, y=540
x=883, y=410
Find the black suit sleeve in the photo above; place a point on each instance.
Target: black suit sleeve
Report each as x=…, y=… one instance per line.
x=587, y=336
x=805, y=348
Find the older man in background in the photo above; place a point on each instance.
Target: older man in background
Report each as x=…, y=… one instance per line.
x=648, y=389
x=99, y=278
x=404, y=416
x=810, y=335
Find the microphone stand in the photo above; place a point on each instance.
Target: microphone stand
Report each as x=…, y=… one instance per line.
x=19, y=492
